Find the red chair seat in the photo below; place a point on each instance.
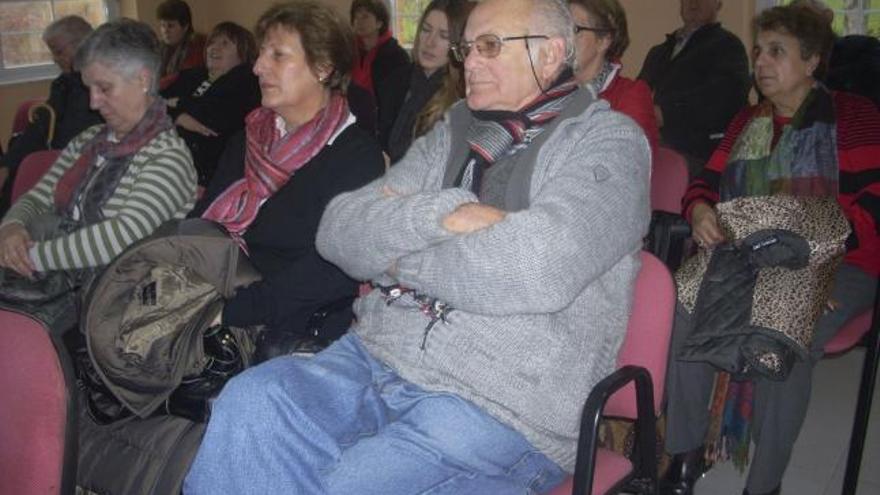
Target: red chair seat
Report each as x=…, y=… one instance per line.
x=850, y=334
x=34, y=412
x=611, y=467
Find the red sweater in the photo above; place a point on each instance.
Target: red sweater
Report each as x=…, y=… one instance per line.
x=633, y=98
x=858, y=155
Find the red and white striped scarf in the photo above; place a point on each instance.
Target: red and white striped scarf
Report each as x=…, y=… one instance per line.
x=270, y=161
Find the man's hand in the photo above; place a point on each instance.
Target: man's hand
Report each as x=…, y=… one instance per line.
x=14, y=245
x=704, y=222
x=471, y=217
x=189, y=123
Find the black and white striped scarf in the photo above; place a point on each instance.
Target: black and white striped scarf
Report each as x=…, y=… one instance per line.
x=494, y=133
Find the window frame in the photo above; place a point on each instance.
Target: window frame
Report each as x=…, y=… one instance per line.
x=41, y=72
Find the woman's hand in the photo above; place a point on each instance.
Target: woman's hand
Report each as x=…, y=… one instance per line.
x=189, y=123
x=704, y=223
x=15, y=242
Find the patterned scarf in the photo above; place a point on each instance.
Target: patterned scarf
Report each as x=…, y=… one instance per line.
x=270, y=160
x=362, y=71
x=802, y=163
x=88, y=186
x=494, y=133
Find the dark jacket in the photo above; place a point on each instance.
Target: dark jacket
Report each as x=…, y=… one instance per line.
x=281, y=240
x=700, y=89
x=404, y=93
x=855, y=66
x=222, y=108
x=69, y=97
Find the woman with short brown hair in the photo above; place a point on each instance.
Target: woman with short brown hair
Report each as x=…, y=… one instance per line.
x=298, y=151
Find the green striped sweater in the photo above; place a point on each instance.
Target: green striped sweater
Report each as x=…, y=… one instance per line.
x=159, y=185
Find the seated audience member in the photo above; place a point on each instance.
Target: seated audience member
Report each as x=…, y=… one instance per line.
x=816, y=152
x=377, y=52
x=182, y=47
x=416, y=95
x=602, y=37
x=700, y=79
x=474, y=245
x=209, y=104
x=299, y=150
x=113, y=184
x=68, y=98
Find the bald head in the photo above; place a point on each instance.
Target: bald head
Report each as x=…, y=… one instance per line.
x=536, y=39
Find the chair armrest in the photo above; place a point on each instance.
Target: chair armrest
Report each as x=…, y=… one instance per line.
x=588, y=439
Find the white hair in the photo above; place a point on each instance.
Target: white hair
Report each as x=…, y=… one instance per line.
x=553, y=18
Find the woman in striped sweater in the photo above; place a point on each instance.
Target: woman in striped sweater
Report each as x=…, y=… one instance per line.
x=113, y=184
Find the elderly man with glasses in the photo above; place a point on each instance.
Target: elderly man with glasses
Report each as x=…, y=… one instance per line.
x=502, y=251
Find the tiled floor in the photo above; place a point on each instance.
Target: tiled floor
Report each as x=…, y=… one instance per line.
x=819, y=458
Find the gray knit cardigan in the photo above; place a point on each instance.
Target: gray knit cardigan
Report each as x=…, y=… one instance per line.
x=541, y=299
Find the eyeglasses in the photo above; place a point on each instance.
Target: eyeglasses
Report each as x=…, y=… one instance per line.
x=580, y=29
x=488, y=45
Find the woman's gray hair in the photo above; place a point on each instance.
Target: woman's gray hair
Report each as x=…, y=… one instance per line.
x=553, y=18
x=125, y=46
x=71, y=29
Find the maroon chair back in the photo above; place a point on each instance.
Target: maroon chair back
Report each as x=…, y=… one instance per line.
x=31, y=170
x=669, y=180
x=37, y=432
x=647, y=336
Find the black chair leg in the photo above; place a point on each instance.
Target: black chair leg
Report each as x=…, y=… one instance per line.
x=863, y=406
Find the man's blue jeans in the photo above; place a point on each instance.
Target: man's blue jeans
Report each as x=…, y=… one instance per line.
x=341, y=422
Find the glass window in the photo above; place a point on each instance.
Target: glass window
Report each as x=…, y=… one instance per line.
x=23, y=55
x=850, y=16
x=406, y=14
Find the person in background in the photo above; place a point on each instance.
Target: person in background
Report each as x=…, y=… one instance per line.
x=182, y=47
x=68, y=98
x=473, y=244
x=799, y=137
x=298, y=151
x=602, y=37
x=377, y=52
x=699, y=78
x=415, y=96
x=114, y=183
x=209, y=104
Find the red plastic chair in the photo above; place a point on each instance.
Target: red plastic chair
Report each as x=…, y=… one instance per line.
x=669, y=180
x=669, y=231
x=37, y=416
x=31, y=170
x=634, y=391
x=862, y=327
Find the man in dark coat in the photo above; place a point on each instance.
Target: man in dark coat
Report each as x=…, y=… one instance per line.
x=700, y=79
x=68, y=97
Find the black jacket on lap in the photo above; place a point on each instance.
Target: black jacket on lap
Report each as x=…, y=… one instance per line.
x=281, y=240
x=700, y=89
x=222, y=108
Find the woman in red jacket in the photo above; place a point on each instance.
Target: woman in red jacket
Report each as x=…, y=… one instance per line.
x=601, y=37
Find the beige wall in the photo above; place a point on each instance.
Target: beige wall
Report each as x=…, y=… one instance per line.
x=649, y=21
